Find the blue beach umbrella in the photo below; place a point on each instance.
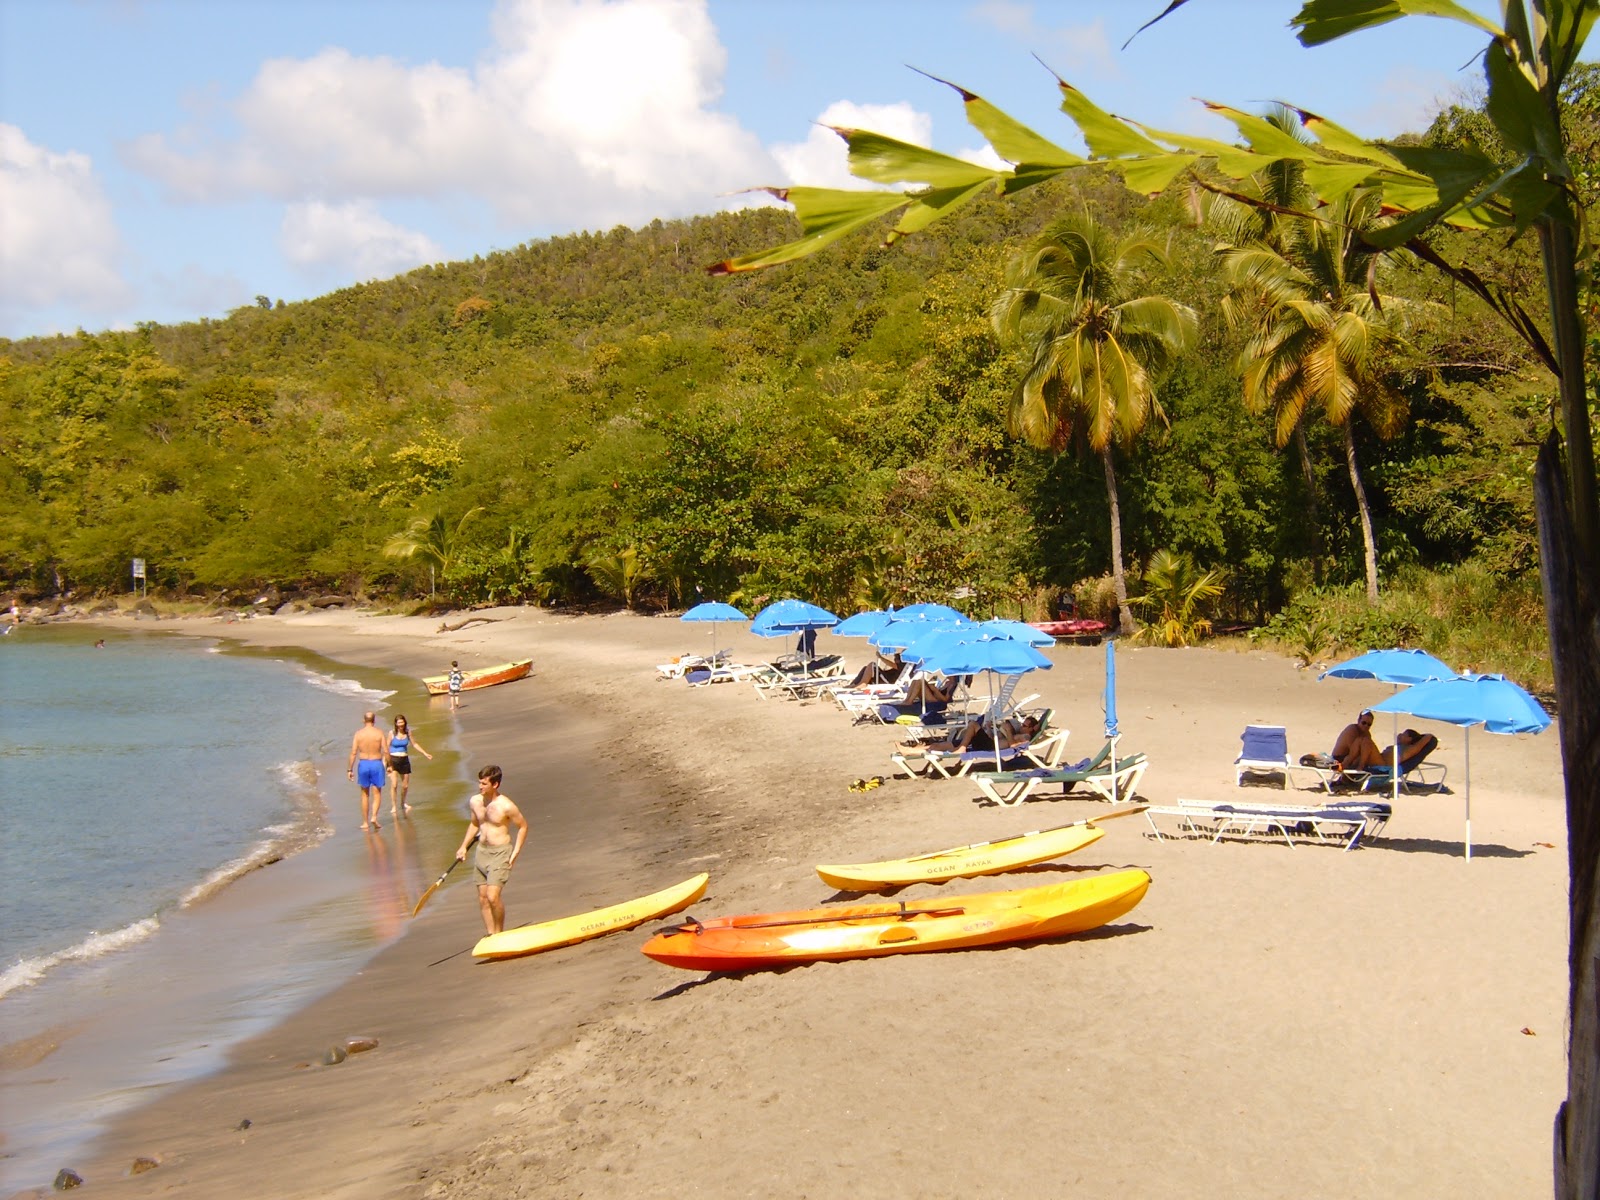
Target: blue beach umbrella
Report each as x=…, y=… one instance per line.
x=929, y=612
x=1110, y=697
x=902, y=631
x=1017, y=631
x=1493, y=701
x=710, y=613
x=989, y=656
x=1399, y=666
x=864, y=624
x=784, y=617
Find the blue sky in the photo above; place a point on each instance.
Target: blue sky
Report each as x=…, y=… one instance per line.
x=171, y=159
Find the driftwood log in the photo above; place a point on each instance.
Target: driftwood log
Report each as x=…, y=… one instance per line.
x=445, y=627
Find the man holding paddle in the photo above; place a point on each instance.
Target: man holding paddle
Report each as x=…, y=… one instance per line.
x=490, y=824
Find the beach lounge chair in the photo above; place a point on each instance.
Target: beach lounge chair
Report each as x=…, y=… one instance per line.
x=1010, y=788
x=684, y=663
x=1264, y=749
x=1343, y=823
x=1045, y=750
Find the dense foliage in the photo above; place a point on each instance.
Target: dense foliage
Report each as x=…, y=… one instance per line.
x=634, y=429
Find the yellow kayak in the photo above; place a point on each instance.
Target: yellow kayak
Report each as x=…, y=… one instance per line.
x=547, y=935
x=980, y=858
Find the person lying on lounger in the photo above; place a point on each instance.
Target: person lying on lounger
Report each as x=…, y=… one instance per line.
x=974, y=736
x=1412, y=747
x=881, y=670
x=926, y=691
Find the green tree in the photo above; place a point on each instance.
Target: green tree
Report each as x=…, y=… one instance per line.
x=1318, y=333
x=1176, y=593
x=432, y=540
x=1094, y=345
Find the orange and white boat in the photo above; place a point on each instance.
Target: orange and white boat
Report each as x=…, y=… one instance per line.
x=871, y=930
x=439, y=685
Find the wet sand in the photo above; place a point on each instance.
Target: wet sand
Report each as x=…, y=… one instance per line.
x=1269, y=1022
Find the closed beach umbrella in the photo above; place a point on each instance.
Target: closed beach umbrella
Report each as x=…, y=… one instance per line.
x=1399, y=666
x=711, y=612
x=1493, y=701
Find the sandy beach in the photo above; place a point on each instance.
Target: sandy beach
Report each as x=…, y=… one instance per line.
x=1270, y=1021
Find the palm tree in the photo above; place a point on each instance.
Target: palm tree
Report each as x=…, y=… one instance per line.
x=1317, y=333
x=430, y=539
x=1177, y=591
x=1093, y=347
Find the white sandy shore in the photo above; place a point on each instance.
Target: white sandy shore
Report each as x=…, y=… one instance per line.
x=1269, y=1022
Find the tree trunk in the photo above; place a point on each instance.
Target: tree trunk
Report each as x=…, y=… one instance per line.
x=1313, y=500
x=1125, y=622
x=1572, y=613
x=1368, y=542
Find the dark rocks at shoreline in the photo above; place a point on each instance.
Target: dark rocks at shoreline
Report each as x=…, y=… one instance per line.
x=66, y=1179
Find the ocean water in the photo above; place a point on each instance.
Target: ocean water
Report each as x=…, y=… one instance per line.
x=143, y=786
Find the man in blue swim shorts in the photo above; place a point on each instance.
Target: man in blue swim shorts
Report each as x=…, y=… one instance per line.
x=368, y=749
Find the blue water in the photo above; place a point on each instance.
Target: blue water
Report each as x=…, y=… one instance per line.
x=138, y=776
x=142, y=785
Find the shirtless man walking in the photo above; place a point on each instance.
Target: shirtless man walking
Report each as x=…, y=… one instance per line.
x=368, y=749
x=491, y=821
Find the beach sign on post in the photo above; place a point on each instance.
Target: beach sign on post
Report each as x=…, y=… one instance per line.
x=138, y=576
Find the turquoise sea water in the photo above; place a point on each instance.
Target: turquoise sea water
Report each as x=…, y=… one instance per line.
x=142, y=785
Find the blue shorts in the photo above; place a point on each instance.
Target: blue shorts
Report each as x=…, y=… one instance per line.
x=369, y=773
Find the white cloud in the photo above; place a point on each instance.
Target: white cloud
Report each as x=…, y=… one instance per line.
x=1405, y=101
x=583, y=113
x=353, y=239
x=822, y=160
x=58, y=241
x=1071, y=48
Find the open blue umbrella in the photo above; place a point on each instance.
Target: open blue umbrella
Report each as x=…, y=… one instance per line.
x=784, y=617
x=927, y=612
x=1399, y=666
x=1017, y=631
x=953, y=655
x=903, y=630
x=711, y=612
x=864, y=624
x=1391, y=666
x=1492, y=701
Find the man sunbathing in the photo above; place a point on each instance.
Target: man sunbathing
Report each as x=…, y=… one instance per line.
x=974, y=736
x=1356, y=751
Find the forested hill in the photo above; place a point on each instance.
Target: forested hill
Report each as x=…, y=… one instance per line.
x=596, y=416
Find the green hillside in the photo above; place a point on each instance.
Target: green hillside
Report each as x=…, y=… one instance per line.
x=595, y=417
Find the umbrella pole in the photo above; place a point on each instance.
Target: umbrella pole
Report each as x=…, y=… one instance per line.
x=1469, y=791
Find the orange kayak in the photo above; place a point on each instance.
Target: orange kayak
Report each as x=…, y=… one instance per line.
x=439, y=685
x=870, y=930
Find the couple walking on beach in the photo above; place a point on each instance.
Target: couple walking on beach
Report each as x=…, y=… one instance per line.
x=374, y=754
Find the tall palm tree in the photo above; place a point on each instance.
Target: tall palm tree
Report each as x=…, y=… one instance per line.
x=1318, y=332
x=1093, y=346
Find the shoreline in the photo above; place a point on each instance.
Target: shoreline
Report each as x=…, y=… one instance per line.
x=1399, y=978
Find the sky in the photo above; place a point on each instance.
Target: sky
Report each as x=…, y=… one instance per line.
x=164, y=160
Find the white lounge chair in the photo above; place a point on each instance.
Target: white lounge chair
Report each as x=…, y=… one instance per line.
x=1343, y=823
x=1098, y=775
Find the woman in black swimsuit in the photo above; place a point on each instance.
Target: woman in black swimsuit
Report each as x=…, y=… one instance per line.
x=401, y=744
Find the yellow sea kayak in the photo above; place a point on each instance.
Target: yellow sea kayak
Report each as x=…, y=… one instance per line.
x=547, y=935
x=980, y=858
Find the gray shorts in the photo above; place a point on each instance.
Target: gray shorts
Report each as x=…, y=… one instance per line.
x=493, y=864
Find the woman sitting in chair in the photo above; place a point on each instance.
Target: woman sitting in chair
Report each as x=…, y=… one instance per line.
x=1410, y=747
x=881, y=670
